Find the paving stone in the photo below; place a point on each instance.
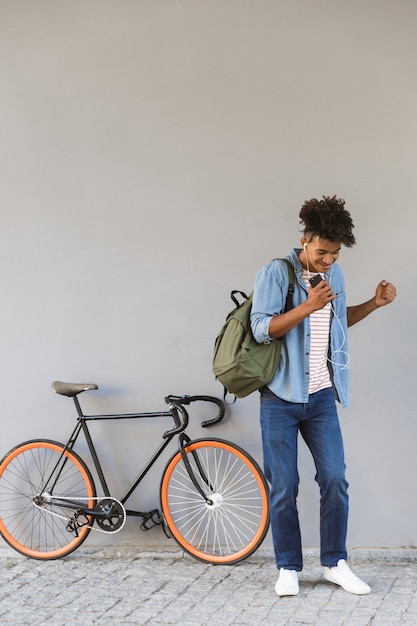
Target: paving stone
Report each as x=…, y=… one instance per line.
x=158, y=587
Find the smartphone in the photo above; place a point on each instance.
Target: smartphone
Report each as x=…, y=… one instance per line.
x=315, y=280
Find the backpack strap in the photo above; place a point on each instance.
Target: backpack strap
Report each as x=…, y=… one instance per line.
x=288, y=301
x=291, y=279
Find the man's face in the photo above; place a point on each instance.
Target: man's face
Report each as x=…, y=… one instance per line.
x=318, y=255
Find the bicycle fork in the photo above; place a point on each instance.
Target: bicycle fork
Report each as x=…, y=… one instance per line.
x=184, y=440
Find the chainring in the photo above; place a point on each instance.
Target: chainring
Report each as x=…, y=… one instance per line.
x=115, y=515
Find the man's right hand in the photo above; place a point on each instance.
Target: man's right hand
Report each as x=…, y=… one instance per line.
x=320, y=295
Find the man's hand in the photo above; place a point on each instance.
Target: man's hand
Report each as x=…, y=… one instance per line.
x=317, y=299
x=385, y=293
x=320, y=295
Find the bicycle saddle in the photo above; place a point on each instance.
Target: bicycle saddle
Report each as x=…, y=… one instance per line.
x=70, y=389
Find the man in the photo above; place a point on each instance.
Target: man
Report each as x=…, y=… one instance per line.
x=311, y=376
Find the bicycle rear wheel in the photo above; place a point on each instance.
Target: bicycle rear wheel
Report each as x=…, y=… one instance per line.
x=30, y=520
x=232, y=520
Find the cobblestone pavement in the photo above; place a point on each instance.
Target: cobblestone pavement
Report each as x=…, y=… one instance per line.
x=161, y=587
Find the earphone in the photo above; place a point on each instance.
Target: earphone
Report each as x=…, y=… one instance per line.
x=338, y=350
x=305, y=250
x=346, y=355
x=342, y=366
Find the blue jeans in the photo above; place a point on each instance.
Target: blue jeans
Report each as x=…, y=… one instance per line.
x=318, y=424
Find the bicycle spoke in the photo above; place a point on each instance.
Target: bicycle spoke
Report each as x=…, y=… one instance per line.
x=231, y=522
x=30, y=521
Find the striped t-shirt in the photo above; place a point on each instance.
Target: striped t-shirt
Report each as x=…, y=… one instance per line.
x=319, y=345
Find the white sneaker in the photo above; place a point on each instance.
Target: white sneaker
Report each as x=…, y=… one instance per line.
x=342, y=575
x=287, y=583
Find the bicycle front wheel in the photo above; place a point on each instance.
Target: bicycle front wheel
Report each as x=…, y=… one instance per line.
x=32, y=520
x=230, y=522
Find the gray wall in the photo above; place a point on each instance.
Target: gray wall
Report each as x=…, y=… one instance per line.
x=154, y=154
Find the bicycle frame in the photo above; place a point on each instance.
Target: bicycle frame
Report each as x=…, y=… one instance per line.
x=180, y=417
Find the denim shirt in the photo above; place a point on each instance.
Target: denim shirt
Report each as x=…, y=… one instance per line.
x=291, y=381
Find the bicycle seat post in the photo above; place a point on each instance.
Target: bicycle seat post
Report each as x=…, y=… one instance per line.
x=78, y=407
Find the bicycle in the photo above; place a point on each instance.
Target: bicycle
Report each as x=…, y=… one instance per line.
x=213, y=494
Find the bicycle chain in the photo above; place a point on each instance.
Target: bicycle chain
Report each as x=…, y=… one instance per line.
x=66, y=519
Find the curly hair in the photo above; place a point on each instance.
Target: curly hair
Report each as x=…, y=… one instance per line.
x=328, y=219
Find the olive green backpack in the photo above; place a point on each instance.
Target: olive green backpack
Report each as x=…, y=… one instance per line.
x=240, y=363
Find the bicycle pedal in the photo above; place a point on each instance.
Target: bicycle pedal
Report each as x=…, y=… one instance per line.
x=73, y=524
x=152, y=519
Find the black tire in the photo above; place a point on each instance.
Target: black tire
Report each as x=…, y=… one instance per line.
x=29, y=474
x=232, y=520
